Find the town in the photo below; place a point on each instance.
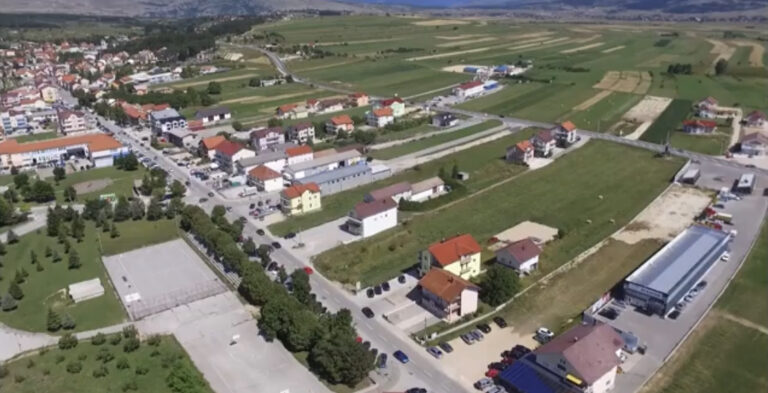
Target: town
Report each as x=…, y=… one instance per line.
x=314, y=203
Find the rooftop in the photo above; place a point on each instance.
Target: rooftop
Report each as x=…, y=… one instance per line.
x=451, y=250
x=364, y=210
x=263, y=173
x=444, y=284
x=340, y=173
x=296, y=190
x=263, y=157
x=427, y=184
x=324, y=160
x=215, y=111
x=168, y=113
x=95, y=142
x=390, y=191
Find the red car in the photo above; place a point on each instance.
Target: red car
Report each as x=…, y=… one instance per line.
x=492, y=373
x=308, y=270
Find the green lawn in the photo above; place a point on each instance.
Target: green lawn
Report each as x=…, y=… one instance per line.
x=607, y=112
x=580, y=194
x=747, y=295
x=121, y=182
x=48, y=288
x=669, y=120
x=485, y=164
x=137, y=234
x=37, y=137
x=421, y=144
x=47, y=372
x=715, y=144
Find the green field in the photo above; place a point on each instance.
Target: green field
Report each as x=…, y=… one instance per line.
x=137, y=234
x=47, y=372
x=37, y=137
x=421, y=144
x=47, y=288
x=715, y=144
x=606, y=195
x=485, y=164
x=669, y=121
x=118, y=181
x=607, y=112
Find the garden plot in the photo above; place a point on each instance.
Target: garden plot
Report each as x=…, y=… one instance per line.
x=645, y=83
x=625, y=81
x=644, y=114
x=592, y=100
x=721, y=50
x=92, y=186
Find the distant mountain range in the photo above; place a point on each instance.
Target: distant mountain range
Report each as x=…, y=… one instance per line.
x=189, y=8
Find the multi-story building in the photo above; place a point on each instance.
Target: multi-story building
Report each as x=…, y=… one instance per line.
x=448, y=296
x=265, y=138
x=229, y=153
x=300, y=199
x=369, y=218
x=459, y=255
x=12, y=121
x=166, y=120
x=302, y=132
x=100, y=149
x=71, y=122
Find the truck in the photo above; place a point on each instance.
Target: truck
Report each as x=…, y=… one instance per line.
x=724, y=217
x=248, y=191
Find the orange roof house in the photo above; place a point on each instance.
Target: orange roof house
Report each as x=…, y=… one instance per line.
x=451, y=250
x=211, y=142
x=263, y=173
x=295, y=191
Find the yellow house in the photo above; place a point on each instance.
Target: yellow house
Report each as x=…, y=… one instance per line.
x=49, y=93
x=300, y=199
x=459, y=255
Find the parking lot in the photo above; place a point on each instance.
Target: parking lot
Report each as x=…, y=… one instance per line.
x=156, y=278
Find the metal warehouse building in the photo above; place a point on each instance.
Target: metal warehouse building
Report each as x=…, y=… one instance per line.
x=662, y=281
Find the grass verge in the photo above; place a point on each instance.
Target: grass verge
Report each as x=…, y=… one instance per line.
x=425, y=143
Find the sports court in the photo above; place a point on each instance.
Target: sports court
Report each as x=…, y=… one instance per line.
x=156, y=278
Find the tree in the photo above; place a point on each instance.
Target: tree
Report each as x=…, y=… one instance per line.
x=237, y=126
x=214, y=88
x=68, y=323
x=455, y=171
x=302, y=290
x=21, y=180
x=137, y=209
x=122, y=209
x=41, y=192
x=74, y=260
x=113, y=233
x=12, y=237
x=53, y=322
x=67, y=341
x=339, y=359
x=254, y=82
x=2, y=248
x=155, y=210
x=8, y=303
x=32, y=257
x=499, y=285
x=131, y=344
x=184, y=379
x=721, y=67
x=59, y=174
x=52, y=222
x=70, y=194
x=249, y=247
x=7, y=212
x=15, y=291
x=48, y=251
x=178, y=189
x=78, y=228
x=55, y=257
x=130, y=162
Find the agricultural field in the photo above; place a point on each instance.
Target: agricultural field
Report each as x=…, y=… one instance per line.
x=485, y=164
x=159, y=365
x=601, y=199
x=669, y=121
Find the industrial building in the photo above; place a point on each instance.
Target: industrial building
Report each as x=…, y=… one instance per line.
x=745, y=184
x=662, y=281
x=100, y=149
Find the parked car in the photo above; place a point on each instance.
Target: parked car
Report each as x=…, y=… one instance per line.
x=500, y=322
x=368, y=312
x=202, y=200
x=385, y=286
x=496, y=389
x=688, y=298
x=272, y=266
x=609, y=312
x=210, y=194
x=492, y=373
x=477, y=334
x=416, y=390
x=680, y=306
x=369, y=292
x=252, y=206
x=290, y=235
x=518, y=351
x=674, y=314
x=725, y=257
x=445, y=347
x=497, y=366
x=276, y=245
x=382, y=361
x=484, y=327
x=260, y=232
x=377, y=289
x=701, y=285
x=435, y=351
x=543, y=335
x=401, y=356
x=483, y=383
x=468, y=338
x=401, y=279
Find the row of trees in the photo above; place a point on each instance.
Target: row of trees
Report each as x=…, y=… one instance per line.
x=176, y=98
x=677, y=68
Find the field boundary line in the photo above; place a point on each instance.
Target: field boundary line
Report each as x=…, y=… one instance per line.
x=743, y=322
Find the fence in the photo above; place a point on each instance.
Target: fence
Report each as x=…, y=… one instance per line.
x=144, y=307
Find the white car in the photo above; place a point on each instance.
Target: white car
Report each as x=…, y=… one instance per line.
x=726, y=256
x=544, y=334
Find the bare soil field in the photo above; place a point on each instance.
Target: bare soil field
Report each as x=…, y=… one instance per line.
x=255, y=99
x=582, y=48
x=645, y=83
x=593, y=100
x=648, y=109
x=440, y=22
x=466, y=42
x=458, y=37
x=91, y=186
x=721, y=50
x=756, y=55
x=625, y=82
x=614, y=49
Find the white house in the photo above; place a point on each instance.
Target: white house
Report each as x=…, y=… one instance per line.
x=565, y=134
x=447, y=295
x=71, y=121
x=380, y=117
x=469, y=89
x=395, y=192
x=341, y=124
x=427, y=189
x=370, y=218
x=756, y=119
x=265, y=138
x=229, y=153
x=213, y=115
x=299, y=154
x=265, y=179
x=302, y=132
x=165, y=120
x=522, y=256
x=544, y=143
x=754, y=144
x=444, y=120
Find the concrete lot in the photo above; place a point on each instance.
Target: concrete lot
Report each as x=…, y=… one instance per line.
x=155, y=278
x=321, y=238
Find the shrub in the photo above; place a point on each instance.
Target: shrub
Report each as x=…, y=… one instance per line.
x=60, y=359
x=123, y=364
x=104, y=355
x=130, y=386
x=142, y=370
x=154, y=353
x=30, y=363
x=115, y=339
x=82, y=357
x=18, y=378
x=46, y=372
x=74, y=367
x=98, y=339
x=67, y=341
x=154, y=340
x=3, y=371
x=130, y=331
x=131, y=344
x=100, y=372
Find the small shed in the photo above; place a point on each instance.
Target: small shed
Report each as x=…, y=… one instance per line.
x=85, y=290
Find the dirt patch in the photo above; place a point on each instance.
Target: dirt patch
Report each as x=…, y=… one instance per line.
x=92, y=186
x=667, y=216
x=609, y=79
x=625, y=82
x=440, y=22
x=614, y=49
x=592, y=100
x=582, y=48
x=457, y=68
x=458, y=37
x=645, y=83
x=648, y=109
x=756, y=55
x=466, y=42
x=721, y=50
x=540, y=232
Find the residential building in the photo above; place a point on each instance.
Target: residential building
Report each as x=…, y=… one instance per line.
x=459, y=255
x=265, y=179
x=299, y=154
x=583, y=359
x=99, y=149
x=396, y=103
x=358, y=99
x=292, y=111
x=13, y=120
x=300, y=199
x=208, y=146
x=274, y=159
x=427, y=189
x=301, y=133
x=380, y=117
x=565, y=134
x=341, y=124
x=265, y=138
x=448, y=296
x=395, y=192
x=469, y=89
x=520, y=153
x=182, y=138
x=522, y=256
x=707, y=108
x=544, y=143
x=699, y=126
x=322, y=164
x=754, y=144
x=165, y=120
x=331, y=105
x=444, y=120
x=213, y=115
x=369, y=218
x=756, y=119
x=71, y=122
x=229, y=153
x=49, y=94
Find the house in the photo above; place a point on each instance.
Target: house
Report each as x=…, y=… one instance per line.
x=265, y=179
x=395, y=192
x=565, y=134
x=448, y=296
x=71, y=121
x=14, y=120
x=49, y=93
x=274, y=159
x=707, y=108
x=331, y=105
x=380, y=117
x=754, y=144
x=396, y=103
x=213, y=115
x=100, y=149
x=358, y=99
x=544, y=143
x=459, y=255
x=469, y=89
x=427, y=189
x=299, y=154
x=520, y=153
x=300, y=199
x=265, y=138
x=522, y=256
x=165, y=120
x=313, y=105
x=286, y=111
x=208, y=145
x=302, y=132
x=444, y=120
x=341, y=124
x=699, y=126
x=182, y=138
x=756, y=119
x=229, y=153
x=369, y=218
